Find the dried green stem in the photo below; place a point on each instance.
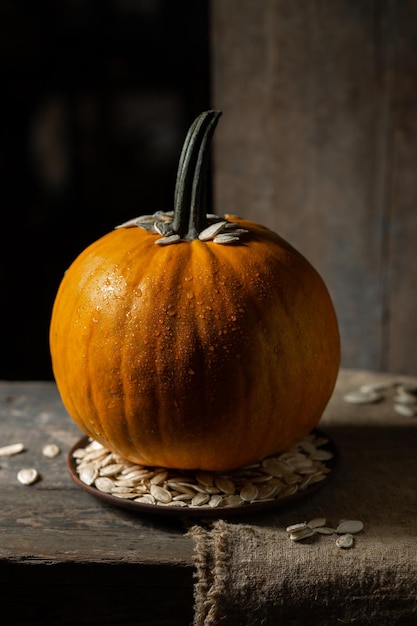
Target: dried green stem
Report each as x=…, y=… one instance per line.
x=190, y=199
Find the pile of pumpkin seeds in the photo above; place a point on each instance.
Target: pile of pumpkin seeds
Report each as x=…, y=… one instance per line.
x=345, y=530
x=402, y=395
x=274, y=478
x=219, y=229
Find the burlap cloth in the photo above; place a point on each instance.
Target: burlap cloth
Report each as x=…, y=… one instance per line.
x=249, y=573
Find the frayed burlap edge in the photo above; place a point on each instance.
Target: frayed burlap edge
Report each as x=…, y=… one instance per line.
x=210, y=562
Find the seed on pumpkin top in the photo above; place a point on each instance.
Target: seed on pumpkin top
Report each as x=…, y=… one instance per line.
x=211, y=231
x=225, y=238
x=165, y=241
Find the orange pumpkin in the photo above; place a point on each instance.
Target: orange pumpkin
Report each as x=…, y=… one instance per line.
x=179, y=347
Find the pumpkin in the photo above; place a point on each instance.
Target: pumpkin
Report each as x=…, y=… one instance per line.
x=191, y=341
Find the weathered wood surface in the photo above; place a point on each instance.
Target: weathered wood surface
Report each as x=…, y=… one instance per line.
x=67, y=557
x=319, y=142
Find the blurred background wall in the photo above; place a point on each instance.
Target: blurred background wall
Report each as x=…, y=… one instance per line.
x=97, y=96
x=318, y=141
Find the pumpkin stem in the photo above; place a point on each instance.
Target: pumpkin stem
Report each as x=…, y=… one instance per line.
x=190, y=198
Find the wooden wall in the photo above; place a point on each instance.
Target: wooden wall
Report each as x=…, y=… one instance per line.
x=318, y=141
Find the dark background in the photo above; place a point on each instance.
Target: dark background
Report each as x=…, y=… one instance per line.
x=97, y=96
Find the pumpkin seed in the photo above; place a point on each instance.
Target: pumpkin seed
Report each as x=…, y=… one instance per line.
x=317, y=522
x=225, y=238
x=345, y=541
x=362, y=397
x=267, y=490
x=215, y=500
x=28, y=475
x=51, y=450
x=111, y=469
x=303, y=533
x=349, y=526
x=104, y=484
x=345, y=530
x=249, y=492
x=160, y=493
x=295, y=528
x=199, y=499
x=211, y=231
x=88, y=474
x=11, y=449
x=405, y=410
x=146, y=499
x=225, y=484
x=165, y=241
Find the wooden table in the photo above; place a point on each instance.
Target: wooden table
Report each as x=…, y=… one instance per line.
x=67, y=557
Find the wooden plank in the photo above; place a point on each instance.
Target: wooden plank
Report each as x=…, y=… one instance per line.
x=66, y=557
x=70, y=557
x=54, y=520
x=304, y=148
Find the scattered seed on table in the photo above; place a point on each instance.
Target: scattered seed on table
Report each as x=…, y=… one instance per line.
x=51, y=450
x=317, y=522
x=362, y=397
x=405, y=410
x=293, y=528
x=27, y=475
x=11, y=449
x=345, y=541
x=350, y=526
x=302, y=533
